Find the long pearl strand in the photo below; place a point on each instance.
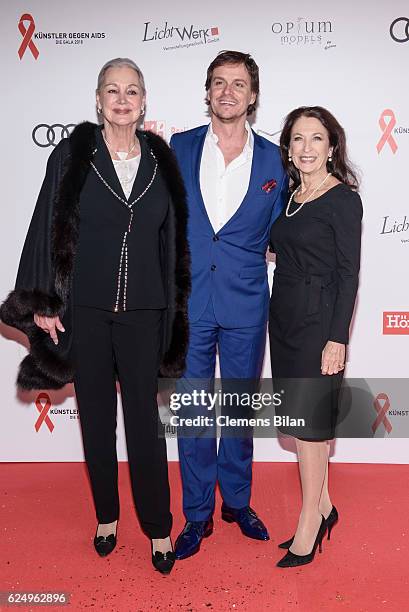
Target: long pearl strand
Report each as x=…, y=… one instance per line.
x=287, y=213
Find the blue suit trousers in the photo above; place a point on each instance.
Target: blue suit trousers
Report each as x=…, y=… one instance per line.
x=241, y=353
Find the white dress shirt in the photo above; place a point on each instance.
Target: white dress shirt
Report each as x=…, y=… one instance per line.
x=126, y=170
x=224, y=187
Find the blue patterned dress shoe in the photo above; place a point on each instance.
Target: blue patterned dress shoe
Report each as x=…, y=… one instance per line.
x=189, y=541
x=248, y=521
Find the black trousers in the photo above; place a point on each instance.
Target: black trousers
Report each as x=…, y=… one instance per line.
x=126, y=343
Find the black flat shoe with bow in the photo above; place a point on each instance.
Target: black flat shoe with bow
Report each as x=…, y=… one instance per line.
x=163, y=562
x=104, y=545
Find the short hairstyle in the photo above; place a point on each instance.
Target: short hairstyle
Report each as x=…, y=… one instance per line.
x=339, y=166
x=236, y=57
x=119, y=62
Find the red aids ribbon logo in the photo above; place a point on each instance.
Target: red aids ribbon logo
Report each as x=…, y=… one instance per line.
x=387, y=130
x=382, y=411
x=27, y=34
x=43, y=409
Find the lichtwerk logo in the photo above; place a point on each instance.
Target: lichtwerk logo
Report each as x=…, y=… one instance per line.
x=394, y=226
x=181, y=35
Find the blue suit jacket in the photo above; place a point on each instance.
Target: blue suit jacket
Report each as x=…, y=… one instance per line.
x=230, y=265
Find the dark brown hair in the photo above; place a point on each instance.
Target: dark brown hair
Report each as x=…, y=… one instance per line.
x=340, y=166
x=236, y=57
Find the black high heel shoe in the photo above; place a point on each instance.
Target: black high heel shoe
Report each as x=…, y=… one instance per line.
x=105, y=545
x=331, y=519
x=163, y=562
x=293, y=560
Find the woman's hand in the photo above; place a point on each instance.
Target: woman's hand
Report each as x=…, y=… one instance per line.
x=333, y=358
x=49, y=325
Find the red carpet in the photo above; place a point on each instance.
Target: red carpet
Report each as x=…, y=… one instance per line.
x=47, y=525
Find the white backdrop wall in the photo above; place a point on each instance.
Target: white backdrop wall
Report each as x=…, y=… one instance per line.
x=344, y=56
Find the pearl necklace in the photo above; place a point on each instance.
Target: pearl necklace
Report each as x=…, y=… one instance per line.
x=116, y=152
x=288, y=214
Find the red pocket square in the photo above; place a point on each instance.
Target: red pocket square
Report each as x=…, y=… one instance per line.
x=269, y=185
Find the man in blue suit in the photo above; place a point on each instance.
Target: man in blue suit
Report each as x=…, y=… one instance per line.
x=236, y=187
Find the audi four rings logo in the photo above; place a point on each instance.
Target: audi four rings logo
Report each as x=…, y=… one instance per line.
x=45, y=135
x=400, y=31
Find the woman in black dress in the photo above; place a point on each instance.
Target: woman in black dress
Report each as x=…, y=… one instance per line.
x=317, y=243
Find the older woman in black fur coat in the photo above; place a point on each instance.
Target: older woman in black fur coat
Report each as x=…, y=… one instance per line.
x=102, y=292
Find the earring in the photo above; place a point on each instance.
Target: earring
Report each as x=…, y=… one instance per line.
x=330, y=157
x=99, y=110
x=142, y=111
x=290, y=159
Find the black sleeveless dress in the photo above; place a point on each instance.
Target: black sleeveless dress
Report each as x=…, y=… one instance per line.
x=314, y=290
